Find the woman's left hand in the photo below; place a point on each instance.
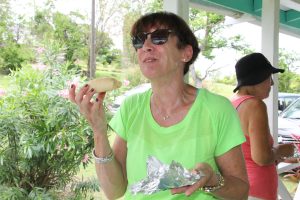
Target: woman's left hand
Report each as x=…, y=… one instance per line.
x=209, y=179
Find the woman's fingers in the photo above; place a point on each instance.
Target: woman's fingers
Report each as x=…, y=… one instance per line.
x=101, y=96
x=197, y=186
x=92, y=110
x=179, y=190
x=72, y=93
x=86, y=99
x=98, y=104
x=207, y=173
x=80, y=95
x=188, y=190
x=98, y=119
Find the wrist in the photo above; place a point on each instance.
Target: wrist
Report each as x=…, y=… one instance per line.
x=103, y=159
x=212, y=188
x=99, y=131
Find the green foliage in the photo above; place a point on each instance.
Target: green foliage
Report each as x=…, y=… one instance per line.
x=13, y=193
x=110, y=56
x=228, y=80
x=210, y=26
x=135, y=76
x=71, y=35
x=5, y=21
x=155, y=5
x=289, y=80
x=82, y=189
x=75, y=37
x=41, y=25
x=13, y=55
x=43, y=137
x=129, y=52
x=295, y=84
x=219, y=88
x=104, y=51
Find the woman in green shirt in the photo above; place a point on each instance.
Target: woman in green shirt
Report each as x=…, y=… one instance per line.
x=171, y=121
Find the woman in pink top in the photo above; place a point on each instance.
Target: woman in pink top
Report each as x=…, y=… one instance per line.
x=254, y=75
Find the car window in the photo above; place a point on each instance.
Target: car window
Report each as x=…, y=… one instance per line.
x=285, y=99
x=293, y=111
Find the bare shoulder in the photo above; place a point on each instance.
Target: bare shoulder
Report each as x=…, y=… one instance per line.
x=253, y=104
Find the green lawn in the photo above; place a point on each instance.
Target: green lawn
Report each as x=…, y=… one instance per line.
x=219, y=88
x=90, y=173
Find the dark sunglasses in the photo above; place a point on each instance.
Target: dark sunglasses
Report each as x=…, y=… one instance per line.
x=158, y=37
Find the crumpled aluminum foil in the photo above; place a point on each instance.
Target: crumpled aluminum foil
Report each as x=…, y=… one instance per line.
x=161, y=176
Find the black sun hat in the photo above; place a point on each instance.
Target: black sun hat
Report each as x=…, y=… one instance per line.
x=253, y=69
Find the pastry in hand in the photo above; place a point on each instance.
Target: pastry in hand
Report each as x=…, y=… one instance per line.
x=104, y=84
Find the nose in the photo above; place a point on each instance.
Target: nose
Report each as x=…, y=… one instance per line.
x=272, y=82
x=148, y=46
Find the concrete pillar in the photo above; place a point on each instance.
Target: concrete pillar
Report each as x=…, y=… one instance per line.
x=270, y=40
x=179, y=7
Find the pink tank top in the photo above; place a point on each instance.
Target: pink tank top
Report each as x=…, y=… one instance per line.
x=263, y=180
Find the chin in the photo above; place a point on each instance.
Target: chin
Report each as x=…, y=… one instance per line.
x=148, y=75
x=266, y=96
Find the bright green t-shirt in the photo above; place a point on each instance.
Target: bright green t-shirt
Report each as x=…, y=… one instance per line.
x=210, y=129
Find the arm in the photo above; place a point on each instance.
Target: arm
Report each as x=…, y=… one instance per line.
x=112, y=175
x=232, y=168
x=254, y=120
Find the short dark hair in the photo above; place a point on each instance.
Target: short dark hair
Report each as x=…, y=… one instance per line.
x=173, y=22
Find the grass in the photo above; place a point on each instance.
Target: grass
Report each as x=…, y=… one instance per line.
x=219, y=88
x=89, y=173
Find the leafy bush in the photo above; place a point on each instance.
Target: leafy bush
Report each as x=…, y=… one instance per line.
x=228, y=80
x=44, y=140
x=13, y=56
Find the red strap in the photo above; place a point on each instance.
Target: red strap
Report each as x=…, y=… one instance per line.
x=238, y=101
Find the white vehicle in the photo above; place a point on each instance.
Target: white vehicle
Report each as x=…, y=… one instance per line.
x=289, y=123
x=285, y=99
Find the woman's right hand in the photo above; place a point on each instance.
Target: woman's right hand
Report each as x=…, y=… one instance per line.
x=208, y=179
x=285, y=150
x=92, y=110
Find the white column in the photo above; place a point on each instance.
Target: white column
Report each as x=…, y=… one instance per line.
x=92, y=65
x=270, y=39
x=179, y=7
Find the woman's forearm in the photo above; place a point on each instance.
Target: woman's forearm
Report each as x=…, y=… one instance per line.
x=277, y=153
x=233, y=189
x=110, y=174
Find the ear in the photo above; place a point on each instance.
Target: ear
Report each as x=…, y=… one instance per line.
x=187, y=53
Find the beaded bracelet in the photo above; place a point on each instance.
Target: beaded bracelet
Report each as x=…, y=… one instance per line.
x=220, y=184
x=103, y=160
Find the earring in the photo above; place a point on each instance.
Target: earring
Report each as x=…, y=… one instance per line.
x=184, y=60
